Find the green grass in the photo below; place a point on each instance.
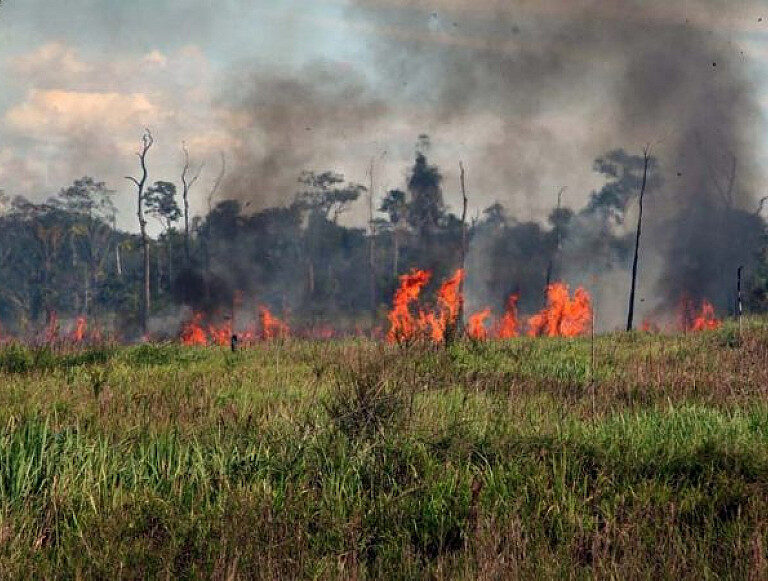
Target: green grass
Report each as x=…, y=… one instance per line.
x=517, y=459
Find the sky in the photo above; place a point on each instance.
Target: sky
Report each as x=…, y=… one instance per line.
x=280, y=86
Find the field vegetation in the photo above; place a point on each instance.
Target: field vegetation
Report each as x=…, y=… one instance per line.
x=641, y=456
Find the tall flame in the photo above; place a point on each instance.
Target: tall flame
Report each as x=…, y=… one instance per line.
x=698, y=319
x=81, y=327
x=403, y=326
x=563, y=316
x=476, y=325
x=192, y=332
x=271, y=326
x=507, y=327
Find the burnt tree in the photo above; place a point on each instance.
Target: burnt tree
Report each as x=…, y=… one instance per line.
x=633, y=286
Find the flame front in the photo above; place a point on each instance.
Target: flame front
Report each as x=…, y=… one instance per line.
x=192, y=332
x=476, y=325
x=563, y=316
x=701, y=319
x=271, y=326
x=507, y=327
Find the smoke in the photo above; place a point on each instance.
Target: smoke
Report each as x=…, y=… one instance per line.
x=566, y=82
x=285, y=123
x=529, y=94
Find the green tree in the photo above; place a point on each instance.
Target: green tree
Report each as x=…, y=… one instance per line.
x=161, y=203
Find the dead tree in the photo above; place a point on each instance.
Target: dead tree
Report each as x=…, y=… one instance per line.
x=186, y=188
x=558, y=238
x=631, y=311
x=463, y=250
x=146, y=143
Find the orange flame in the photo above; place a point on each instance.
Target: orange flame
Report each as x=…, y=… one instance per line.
x=449, y=300
x=507, y=327
x=271, y=326
x=192, y=332
x=81, y=326
x=649, y=326
x=403, y=326
x=221, y=334
x=694, y=320
x=476, y=326
x=563, y=316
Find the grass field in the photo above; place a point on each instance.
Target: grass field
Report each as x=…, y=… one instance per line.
x=515, y=459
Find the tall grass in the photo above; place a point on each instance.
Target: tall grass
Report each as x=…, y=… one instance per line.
x=353, y=460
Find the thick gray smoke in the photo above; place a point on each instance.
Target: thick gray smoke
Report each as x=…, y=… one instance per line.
x=288, y=123
x=633, y=73
x=550, y=85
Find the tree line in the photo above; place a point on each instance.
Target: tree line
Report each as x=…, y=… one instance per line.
x=66, y=255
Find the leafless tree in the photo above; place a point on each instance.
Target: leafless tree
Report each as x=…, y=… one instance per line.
x=187, y=182
x=146, y=143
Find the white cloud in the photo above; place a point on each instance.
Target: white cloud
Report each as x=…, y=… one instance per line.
x=81, y=115
x=51, y=113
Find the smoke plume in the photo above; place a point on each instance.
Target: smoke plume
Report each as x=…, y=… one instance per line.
x=531, y=93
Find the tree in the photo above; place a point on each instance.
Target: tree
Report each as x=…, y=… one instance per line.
x=187, y=183
x=395, y=206
x=92, y=201
x=426, y=207
x=324, y=199
x=161, y=203
x=324, y=195
x=146, y=143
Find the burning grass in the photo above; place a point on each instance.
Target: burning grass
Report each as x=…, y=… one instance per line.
x=355, y=459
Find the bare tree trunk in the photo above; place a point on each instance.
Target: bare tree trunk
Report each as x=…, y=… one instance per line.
x=631, y=313
x=551, y=264
x=463, y=255
x=396, y=252
x=186, y=187
x=147, y=140
x=170, y=258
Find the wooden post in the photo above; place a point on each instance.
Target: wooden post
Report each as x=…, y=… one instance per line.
x=739, y=304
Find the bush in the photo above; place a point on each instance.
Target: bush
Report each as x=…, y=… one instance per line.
x=365, y=400
x=16, y=358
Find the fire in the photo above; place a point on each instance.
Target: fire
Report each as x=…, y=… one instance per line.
x=221, y=334
x=507, y=327
x=403, y=325
x=701, y=319
x=563, y=316
x=432, y=324
x=476, y=326
x=449, y=300
x=81, y=326
x=649, y=326
x=271, y=326
x=192, y=332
